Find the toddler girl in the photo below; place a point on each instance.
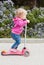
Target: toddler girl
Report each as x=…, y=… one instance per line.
x=20, y=21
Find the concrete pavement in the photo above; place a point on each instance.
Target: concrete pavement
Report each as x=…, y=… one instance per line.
x=28, y=40
x=36, y=55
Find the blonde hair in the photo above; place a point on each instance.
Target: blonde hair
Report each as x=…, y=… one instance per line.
x=20, y=12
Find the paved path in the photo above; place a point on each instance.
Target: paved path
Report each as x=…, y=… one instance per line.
x=36, y=55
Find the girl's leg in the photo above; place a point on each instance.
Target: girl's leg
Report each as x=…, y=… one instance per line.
x=17, y=39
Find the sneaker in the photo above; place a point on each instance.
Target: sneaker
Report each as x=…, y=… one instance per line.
x=13, y=50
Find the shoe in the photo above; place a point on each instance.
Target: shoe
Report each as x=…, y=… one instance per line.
x=13, y=50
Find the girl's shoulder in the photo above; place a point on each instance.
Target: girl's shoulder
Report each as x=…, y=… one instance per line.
x=17, y=18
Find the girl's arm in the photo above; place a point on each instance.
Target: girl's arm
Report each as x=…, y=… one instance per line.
x=20, y=22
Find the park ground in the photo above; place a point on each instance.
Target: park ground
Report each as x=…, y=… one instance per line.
x=36, y=55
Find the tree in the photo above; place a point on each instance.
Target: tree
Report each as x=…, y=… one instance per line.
x=30, y=3
x=40, y=3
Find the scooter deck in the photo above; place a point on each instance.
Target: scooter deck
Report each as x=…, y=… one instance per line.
x=12, y=54
x=4, y=53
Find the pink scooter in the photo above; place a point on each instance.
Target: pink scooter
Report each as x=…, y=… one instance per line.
x=24, y=52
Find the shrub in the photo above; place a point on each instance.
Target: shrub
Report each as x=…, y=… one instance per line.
x=35, y=16
x=7, y=21
x=6, y=12
x=5, y=33
x=0, y=24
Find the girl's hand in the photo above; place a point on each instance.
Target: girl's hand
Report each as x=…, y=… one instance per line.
x=13, y=19
x=28, y=21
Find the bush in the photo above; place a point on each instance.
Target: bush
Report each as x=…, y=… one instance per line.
x=35, y=16
x=5, y=33
x=7, y=12
x=40, y=18
x=7, y=21
x=0, y=24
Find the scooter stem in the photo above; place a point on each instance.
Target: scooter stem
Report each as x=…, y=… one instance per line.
x=25, y=34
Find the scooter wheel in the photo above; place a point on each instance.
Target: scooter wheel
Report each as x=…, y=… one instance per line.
x=26, y=53
x=3, y=52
